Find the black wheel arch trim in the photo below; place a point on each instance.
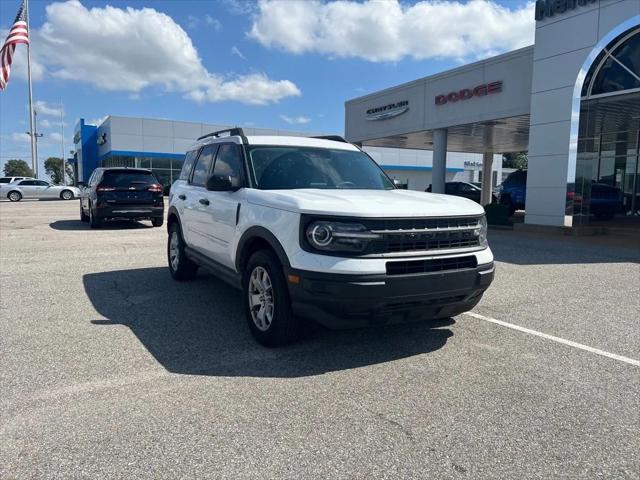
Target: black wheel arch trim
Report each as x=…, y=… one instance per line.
x=173, y=211
x=263, y=234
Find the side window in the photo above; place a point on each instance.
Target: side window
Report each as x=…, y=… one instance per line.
x=187, y=165
x=27, y=183
x=451, y=188
x=229, y=163
x=41, y=183
x=203, y=166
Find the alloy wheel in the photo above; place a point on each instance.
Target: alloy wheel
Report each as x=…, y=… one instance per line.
x=174, y=251
x=261, y=299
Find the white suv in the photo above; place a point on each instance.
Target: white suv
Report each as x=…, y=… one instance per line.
x=313, y=227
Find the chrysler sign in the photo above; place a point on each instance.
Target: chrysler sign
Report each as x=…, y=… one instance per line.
x=467, y=93
x=549, y=8
x=388, y=111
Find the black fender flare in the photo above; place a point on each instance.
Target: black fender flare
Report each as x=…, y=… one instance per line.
x=264, y=234
x=173, y=211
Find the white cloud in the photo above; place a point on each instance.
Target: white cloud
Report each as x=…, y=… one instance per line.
x=128, y=49
x=295, y=120
x=54, y=137
x=236, y=51
x=253, y=89
x=44, y=108
x=97, y=121
x=213, y=22
x=44, y=123
x=389, y=30
x=21, y=137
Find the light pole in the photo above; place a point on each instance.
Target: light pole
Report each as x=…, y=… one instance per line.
x=35, y=137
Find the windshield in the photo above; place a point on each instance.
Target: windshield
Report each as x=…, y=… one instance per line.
x=289, y=167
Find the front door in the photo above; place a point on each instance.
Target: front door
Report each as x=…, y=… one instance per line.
x=29, y=188
x=223, y=207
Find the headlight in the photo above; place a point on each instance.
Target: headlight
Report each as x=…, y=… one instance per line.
x=339, y=237
x=482, y=231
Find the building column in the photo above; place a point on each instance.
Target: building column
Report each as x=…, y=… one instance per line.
x=439, y=172
x=487, y=178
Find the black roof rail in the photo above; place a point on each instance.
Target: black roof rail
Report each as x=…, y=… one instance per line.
x=335, y=138
x=230, y=131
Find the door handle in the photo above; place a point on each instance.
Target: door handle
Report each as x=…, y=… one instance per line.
x=182, y=197
x=204, y=201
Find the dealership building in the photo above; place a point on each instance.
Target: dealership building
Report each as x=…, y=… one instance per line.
x=161, y=145
x=571, y=100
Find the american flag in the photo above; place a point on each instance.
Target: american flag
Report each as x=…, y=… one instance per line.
x=17, y=34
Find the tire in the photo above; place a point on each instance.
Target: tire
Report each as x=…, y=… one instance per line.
x=180, y=267
x=157, y=222
x=266, y=294
x=67, y=195
x=14, y=196
x=94, y=222
x=83, y=216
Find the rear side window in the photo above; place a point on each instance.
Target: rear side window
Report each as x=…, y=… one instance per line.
x=229, y=163
x=189, y=160
x=4, y=180
x=203, y=165
x=128, y=179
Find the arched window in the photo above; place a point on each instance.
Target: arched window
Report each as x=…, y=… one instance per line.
x=617, y=68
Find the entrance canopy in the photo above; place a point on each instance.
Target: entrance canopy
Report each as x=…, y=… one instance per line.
x=483, y=107
x=501, y=136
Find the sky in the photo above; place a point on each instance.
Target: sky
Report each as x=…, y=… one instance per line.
x=288, y=64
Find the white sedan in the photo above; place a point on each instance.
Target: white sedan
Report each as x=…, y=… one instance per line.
x=32, y=188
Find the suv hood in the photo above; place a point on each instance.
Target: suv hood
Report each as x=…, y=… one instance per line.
x=365, y=203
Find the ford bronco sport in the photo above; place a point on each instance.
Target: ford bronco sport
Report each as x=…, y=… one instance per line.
x=314, y=228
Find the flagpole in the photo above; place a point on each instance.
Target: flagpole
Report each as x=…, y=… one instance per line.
x=34, y=159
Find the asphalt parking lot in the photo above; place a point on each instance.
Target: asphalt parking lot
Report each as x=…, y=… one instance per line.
x=109, y=369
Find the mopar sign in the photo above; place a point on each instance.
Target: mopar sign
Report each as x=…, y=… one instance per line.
x=388, y=111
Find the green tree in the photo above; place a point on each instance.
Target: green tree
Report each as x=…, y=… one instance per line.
x=17, y=168
x=516, y=160
x=53, y=168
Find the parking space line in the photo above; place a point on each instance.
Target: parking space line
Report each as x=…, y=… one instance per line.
x=586, y=348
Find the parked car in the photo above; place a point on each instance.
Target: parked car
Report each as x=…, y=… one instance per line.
x=32, y=188
x=464, y=189
x=5, y=180
x=312, y=227
x=604, y=202
x=122, y=193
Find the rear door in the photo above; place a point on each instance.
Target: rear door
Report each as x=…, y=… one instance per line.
x=29, y=188
x=195, y=210
x=130, y=188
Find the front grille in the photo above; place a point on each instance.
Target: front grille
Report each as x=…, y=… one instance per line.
x=430, y=266
x=406, y=235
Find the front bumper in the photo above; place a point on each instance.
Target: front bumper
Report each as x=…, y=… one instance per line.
x=342, y=300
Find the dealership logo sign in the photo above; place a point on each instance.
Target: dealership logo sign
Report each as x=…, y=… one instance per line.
x=388, y=111
x=467, y=93
x=549, y=8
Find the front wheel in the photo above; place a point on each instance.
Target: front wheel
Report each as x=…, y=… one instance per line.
x=14, y=196
x=266, y=300
x=66, y=195
x=180, y=267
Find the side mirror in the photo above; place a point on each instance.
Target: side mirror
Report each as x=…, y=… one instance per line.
x=220, y=183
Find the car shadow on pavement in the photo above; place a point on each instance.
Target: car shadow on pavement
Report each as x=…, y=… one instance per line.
x=109, y=225
x=199, y=328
